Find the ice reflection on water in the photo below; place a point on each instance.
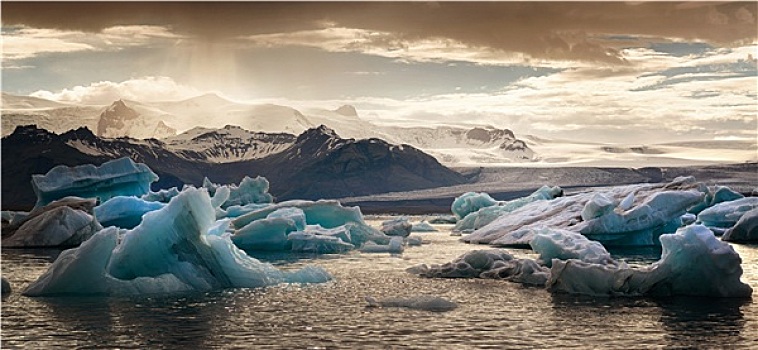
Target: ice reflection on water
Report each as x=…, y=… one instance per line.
x=491, y=314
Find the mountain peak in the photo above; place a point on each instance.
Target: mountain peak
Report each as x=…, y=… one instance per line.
x=347, y=110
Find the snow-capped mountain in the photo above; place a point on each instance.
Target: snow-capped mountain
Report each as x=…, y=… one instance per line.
x=228, y=144
x=54, y=116
x=120, y=120
x=202, y=114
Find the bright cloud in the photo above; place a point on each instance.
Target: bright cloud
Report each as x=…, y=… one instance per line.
x=148, y=89
x=23, y=43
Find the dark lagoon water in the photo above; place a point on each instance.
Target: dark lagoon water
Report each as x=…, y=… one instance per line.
x=490, y=315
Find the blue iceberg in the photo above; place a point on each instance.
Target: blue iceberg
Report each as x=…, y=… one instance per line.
x=124, y=212
x=169, y=252
x=265, y=234
x=693, y=263
x=120, y=177
x=745, y=230
x=470, y=202
x=726, y=214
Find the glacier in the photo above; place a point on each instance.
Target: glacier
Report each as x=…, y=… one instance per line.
x=170, y=251
x=119, y=177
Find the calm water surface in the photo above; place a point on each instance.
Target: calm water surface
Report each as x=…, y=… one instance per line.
x=491, y=314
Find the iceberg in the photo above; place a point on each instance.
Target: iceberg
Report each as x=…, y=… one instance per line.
x=563, y=245
x=694, y=263
x=423, y=226
x=655, y=209
x=495, y=264
x=326, y=213
x=163, y=196
x=485, y=215
x=169, y=252
x=726, y=214
x=395, y=246
x=470, y=202
x=397, y=227
x=124, y=212
x=720, y=195
x=64, y=223
x=265, y=234
x=249, y=191
x=297, y=216
x=745, y=230
x=426, y=303
x=443, y=219
x=120, y=177
x=309, y=242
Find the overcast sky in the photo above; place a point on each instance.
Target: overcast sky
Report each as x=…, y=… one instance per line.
x=611, y=72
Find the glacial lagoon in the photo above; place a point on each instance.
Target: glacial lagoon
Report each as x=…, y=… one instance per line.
x=492, y=314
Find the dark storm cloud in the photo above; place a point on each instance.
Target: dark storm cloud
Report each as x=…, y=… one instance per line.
x=539, y=29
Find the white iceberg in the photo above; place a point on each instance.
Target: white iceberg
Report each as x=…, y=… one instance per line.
x=693, y=263
x=423, y=226
x=563, y=245
x=249, y=191
x=726, y=214
x=120, y=177
x=170, y=251
x=656, y=209
x=124, y=212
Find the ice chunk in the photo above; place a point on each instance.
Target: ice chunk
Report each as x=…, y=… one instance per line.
x=327, y=213
x=124, y=212
x=720, y=195
x=395, y=246
x=485, y=215
x=341, y=232
x=563, y=245
x=423, y=226
x=413, y=241
x=120, y=177
x=746, y=229
x=426, y=303
x=162, y=196
x=469, y=265
x=55, y=226
x=627, y=202
x=726, y=214
x=320, y=244
x=168, y=252
x=248, y=191
x=693, y=263
x=598, y=206
x=297, y=216
x=470, y=202
x=234, y=211
x=443, y=219
x=397, y=227
x=265, y=234
x=688, y=219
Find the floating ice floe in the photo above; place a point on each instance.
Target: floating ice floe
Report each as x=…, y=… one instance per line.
x=423, y=226
x=563, y=245
x=124, y=212
x=249, y=191
x=745, y=230
x=488, y=213
x=693, y=263
x=496, y=264
x=426, y=303
x=66, y=222
x=443, y=219
x=395, y=246
x=647, y=212
x=726, y=214
x=120, y=177
x=169, y=252
x=397, y=227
